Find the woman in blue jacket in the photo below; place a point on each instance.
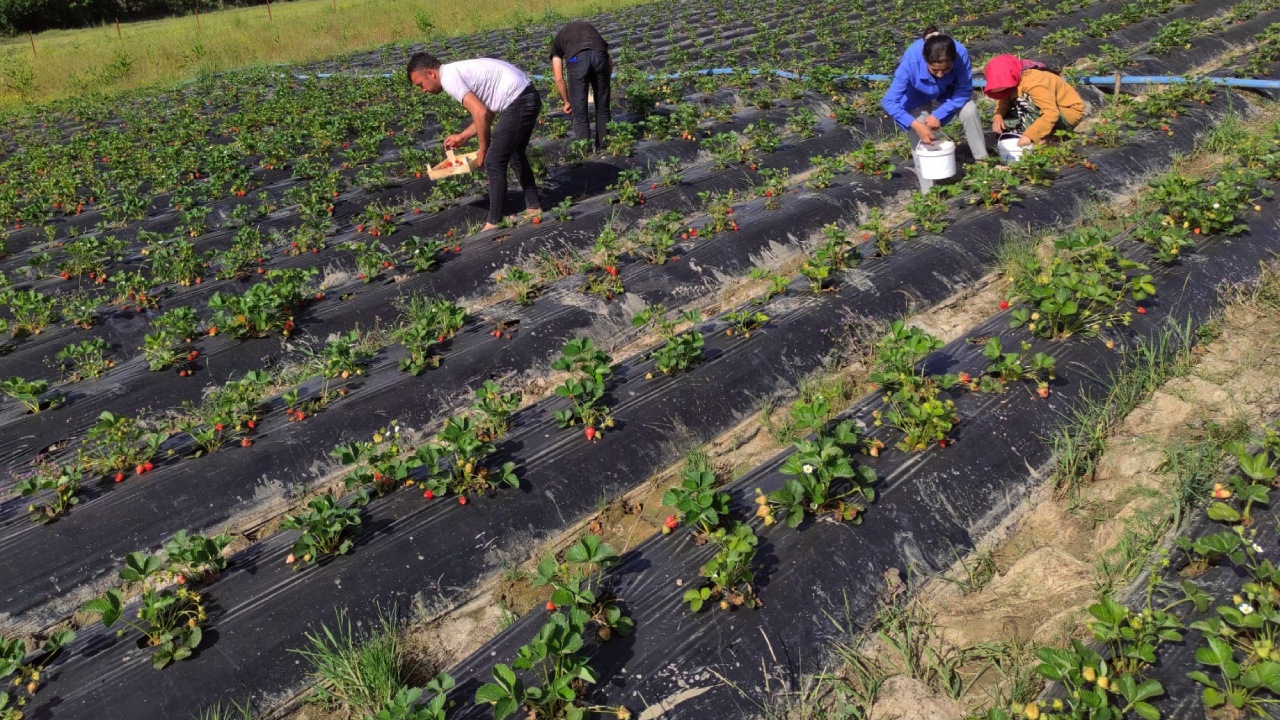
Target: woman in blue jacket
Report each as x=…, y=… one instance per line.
x=932, y=85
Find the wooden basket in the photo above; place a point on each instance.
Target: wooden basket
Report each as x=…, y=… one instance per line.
x=460, y=165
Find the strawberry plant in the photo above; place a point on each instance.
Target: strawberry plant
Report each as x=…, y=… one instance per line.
x=698, y=501
x=876, y=226
x=195, y=558
x=728, y=574
x=778, y=283
x=371, y=258
x=1091, y=691
x=726, y=149
x=26, y=673
x=1081, y=289
x=679, y=352
x=825, y=169
x=419, y=341
x=577, y=582
x=825, y=478
x=803, y=122
x=91, y=255
x=520, y=284
x=627, y=188
x=379, y=466
x=990, y=182
x=911, y=394
x=588, y=367
x=744, y=322
x=176, y=261
x=763, y=137
x=772, y=185
x=719, y=207
x=929, y=211
x=57, y=487
x=170, y=343
x=558, y=670
x=79, y=307
x=621, y=138
x=870, y=160
x=32, y=311
x=342, y=356
x=326, y=528
x=30, y=393
x=563, y=210
x=169, y=619
x=116, y=443
x=1176, y=34
x=494, y=409
x=444, y=317
x=669, y=172
x=421, y=253
x=657, y=237
x=1005, y=368
x=453, y=461
x=264, y=307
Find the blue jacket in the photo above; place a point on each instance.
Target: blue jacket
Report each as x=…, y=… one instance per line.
x=913, y=86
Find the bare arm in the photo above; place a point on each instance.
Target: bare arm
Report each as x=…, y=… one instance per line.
x=481, y=122
x=557, y=67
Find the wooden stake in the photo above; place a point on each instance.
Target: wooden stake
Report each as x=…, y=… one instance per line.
x=33, y=44
x=269, y=16
x=118, y=33
x=1117, y=95
x=335, y=5
x=198, y=19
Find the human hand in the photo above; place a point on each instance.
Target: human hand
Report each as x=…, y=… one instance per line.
x=997, y=124
x=568, y=109
x=923, y=130
x=932, y=122
x=453, y=141
x=1024, y=141
x=478, y=164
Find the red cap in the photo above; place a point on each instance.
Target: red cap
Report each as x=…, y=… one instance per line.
x=1004, y=72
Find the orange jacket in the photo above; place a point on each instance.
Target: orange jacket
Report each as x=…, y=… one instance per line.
x=1052, y=96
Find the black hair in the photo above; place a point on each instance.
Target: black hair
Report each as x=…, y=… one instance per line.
x=421, y=61
x=938, y=48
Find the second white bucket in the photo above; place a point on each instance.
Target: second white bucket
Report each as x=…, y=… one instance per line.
x=937, y=160
x=1008, y=146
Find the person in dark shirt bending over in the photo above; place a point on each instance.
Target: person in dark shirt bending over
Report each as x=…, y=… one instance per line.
x=580, y=46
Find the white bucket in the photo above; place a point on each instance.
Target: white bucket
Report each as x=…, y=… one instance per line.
x=937, y=160
x=1008, y=147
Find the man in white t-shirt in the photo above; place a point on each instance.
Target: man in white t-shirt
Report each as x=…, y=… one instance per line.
x=486, y=87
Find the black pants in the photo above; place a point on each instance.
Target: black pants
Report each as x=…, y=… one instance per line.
x=508, y=144
x=589, y=69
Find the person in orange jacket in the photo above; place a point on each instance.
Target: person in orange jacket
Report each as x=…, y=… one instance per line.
x=1038, y=98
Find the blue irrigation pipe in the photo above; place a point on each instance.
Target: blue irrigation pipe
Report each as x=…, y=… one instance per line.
x=1104, y=80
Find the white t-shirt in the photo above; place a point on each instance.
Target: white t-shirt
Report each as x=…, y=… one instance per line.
x=495, y=82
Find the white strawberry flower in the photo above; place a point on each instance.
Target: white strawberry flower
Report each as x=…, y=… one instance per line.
x=808, y=469
x=1246, y=608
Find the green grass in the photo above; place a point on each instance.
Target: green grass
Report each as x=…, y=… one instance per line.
x=161, y=52
x=359, y=674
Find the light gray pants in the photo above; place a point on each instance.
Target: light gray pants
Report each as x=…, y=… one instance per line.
x=973, y=133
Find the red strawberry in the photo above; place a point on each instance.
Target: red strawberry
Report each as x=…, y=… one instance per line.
x=246, y=442
x=551, y=606
x=252, y=424
x=591, y=433
x=964, y=377
x=462, y=501
x=537, y=221
x=1004, y=304
x=139, y=470
x=218, y=427
x=428, y=494
x=457, y=248
x=181, y=580
x=119, y=477
x=671, y=523
x=1043, y=392
x=1142, y=311
x=147, y=466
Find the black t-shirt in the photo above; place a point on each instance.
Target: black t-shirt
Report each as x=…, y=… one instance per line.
x=576, y=37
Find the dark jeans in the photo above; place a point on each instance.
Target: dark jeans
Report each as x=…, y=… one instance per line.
x=507, y=144
x=590, y=69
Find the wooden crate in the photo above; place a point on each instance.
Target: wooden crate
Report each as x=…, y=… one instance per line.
x=459, y=165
